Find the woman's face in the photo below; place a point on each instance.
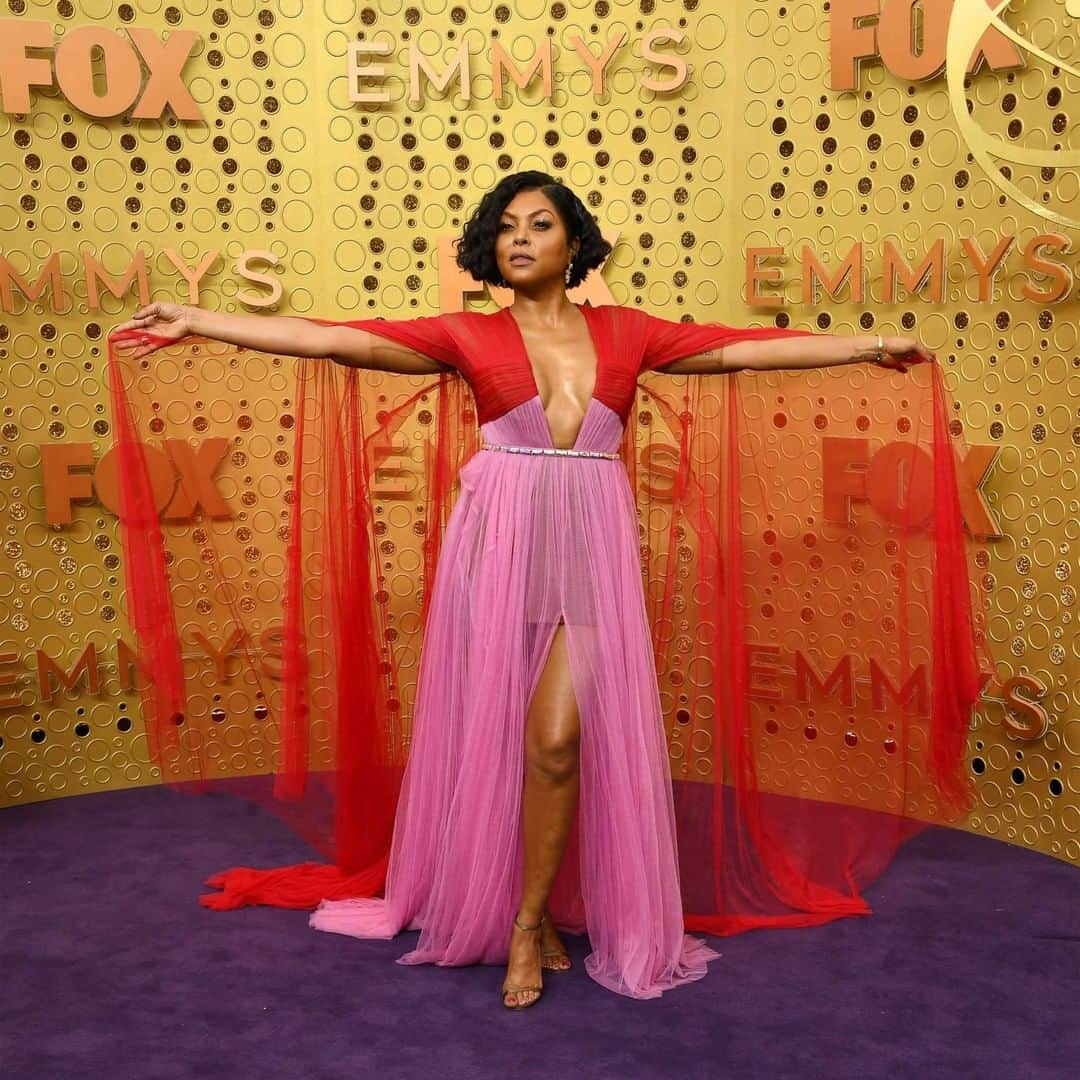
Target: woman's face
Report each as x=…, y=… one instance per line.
x=531, y=244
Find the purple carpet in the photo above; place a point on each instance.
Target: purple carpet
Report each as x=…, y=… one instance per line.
x=968, y=968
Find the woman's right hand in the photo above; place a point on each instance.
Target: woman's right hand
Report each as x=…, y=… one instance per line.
x=152, y=327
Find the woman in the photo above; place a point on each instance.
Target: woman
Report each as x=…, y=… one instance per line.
x=537, y=696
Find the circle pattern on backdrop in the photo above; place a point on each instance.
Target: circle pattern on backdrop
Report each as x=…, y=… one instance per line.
x=353, y=199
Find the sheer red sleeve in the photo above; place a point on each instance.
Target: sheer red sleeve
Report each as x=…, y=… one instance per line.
x=810, y=595
x=432, y=336
x=664, y=341
x=316, y=638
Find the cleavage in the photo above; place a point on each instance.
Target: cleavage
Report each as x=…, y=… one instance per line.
x=565, y=379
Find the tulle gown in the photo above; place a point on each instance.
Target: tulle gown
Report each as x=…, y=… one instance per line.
x=534, y=540
x=796, y=785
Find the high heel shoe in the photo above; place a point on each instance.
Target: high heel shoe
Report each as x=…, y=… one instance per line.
x=538, y=990
x=556, y=959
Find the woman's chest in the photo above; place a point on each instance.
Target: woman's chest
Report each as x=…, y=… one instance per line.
x=564, y=366
x=563, y=369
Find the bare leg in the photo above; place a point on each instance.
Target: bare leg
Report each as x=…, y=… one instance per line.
x=552, y=732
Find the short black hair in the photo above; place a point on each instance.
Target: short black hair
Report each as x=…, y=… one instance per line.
x=476, y=248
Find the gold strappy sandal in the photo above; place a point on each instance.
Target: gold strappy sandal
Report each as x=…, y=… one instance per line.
x=550, y=960
x=538, y=990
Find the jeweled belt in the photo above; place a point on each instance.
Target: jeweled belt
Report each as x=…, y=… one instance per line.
x=554, y=451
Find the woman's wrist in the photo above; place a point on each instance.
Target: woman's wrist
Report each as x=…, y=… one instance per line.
x=193, y=316
x=867, y=348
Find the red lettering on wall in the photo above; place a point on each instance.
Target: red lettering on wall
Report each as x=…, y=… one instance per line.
x=841, y=676
x=897, y=481
x=219, y=656
x=97, y=70
x=128, y=666
x=85, y=665
x=759, y=670
x=1033, y=721
x=181, y=479
x=914, y=687
x=9, y=678
x=909, y=36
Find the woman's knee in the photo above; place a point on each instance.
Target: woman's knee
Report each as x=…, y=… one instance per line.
x=555, y=758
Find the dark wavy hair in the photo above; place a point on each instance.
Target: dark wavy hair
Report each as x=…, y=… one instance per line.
x=476, y=248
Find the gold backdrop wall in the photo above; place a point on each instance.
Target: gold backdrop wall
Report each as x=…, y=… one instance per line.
x=801, y=141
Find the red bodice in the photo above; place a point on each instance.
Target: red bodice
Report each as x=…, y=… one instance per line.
x=489, y=352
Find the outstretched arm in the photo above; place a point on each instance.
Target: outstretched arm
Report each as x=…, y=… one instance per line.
x=360, y=348
x=796, y=353
x=347, y=345
x=161, y=323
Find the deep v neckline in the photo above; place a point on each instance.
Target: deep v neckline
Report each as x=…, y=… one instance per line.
x=527, y=361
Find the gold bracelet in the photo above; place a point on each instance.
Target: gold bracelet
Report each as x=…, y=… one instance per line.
x=880, y=347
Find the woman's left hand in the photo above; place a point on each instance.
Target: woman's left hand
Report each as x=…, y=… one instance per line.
x=899, y=353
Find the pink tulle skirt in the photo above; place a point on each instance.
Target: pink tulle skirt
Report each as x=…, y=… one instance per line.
x=534, y=540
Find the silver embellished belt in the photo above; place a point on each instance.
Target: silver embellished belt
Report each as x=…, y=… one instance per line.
x=554, y=451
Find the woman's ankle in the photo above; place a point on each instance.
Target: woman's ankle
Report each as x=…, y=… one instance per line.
x=527, y=920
